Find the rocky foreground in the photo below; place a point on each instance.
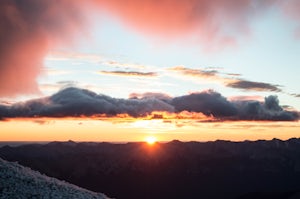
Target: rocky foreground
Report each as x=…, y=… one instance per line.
x=20, y=182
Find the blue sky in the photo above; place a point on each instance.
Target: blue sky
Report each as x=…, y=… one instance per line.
x=268, y=53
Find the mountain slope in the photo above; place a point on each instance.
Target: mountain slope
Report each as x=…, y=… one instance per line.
x=20, y=182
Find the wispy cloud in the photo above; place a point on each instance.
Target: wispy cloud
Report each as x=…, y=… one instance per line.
x=74, y=102
x=233, y=74
x=251, y=85
x=52, y=71
x=58, y=85
x=147, y=95
x=64, y=55
x=118, y=64
x=129, y=73
x=43, y=121
x=227, y=79
x=201, y=73
x=295, y=95
x=246, y=98
x=49, y=88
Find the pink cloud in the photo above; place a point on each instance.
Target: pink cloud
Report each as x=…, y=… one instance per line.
x=291, y=8
x=213, y=20
x=27, y=30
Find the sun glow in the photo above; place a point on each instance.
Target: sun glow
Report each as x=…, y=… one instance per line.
x=150, y=140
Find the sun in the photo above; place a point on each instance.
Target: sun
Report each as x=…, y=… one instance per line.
x=150, y=140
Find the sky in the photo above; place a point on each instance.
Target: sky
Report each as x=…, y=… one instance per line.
x=112, y=70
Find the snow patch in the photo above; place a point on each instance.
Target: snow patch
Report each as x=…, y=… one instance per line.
x=21, y=182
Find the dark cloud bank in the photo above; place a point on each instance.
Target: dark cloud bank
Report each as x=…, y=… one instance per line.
x=75, y=102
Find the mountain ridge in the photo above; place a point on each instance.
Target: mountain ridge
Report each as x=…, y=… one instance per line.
x=216, y=169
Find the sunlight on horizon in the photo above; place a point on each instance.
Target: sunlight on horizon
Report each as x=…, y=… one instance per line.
x=80, y=129
x=151, y=140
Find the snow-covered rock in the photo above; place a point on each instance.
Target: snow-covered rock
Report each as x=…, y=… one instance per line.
x=21, y=182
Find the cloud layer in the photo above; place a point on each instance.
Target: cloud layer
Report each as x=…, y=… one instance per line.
x=231, y=80
x=129, y=73
x=75, y=102
x=256, y=86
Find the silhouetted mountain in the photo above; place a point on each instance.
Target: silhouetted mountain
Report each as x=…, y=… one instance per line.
x=20, y=182
x=220, y=169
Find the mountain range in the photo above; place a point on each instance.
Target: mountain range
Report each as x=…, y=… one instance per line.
x=218, y=169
